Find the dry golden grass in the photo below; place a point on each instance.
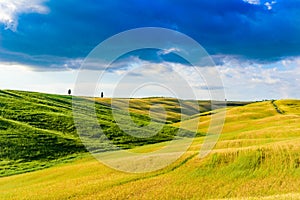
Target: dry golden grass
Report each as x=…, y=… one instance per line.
x=257, y=157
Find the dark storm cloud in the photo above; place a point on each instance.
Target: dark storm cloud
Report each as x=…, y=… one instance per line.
x=72, y=28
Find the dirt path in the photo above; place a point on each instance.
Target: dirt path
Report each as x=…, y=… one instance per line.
x=277, y=108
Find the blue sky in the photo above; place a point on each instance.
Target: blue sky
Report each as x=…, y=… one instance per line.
x=254, y=43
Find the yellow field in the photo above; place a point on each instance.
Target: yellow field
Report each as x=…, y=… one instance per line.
x=175, y=110
x=257, y=157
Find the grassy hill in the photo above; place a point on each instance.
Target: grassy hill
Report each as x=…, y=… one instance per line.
x=256, y=157
x=37, y=130
x=176, y=110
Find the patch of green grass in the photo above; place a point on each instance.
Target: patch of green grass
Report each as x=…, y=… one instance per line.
x=39, y=127
x=12, y=167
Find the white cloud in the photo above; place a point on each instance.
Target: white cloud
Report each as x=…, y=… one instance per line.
x=244, y=80
x=185, y=81
x=254, y=2
x=11, y=9
x=167, y=51
x=68, y=64
x=269, y=5
x=21, y=77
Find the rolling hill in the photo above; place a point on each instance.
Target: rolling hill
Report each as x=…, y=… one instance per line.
x=256, y=157
x=37, y=130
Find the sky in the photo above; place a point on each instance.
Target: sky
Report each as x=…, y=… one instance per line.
x=255, y=45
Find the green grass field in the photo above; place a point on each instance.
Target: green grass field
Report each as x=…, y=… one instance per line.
x=37, y=130
x=257, y=155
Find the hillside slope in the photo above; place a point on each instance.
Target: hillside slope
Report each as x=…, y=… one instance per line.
x=256, y=157
x=37, y=130
x=175, y=110
x=256, y=121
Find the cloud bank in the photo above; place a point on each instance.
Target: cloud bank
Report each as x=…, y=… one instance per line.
x=255, y=43
x=12, y=9
x=261, y=31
